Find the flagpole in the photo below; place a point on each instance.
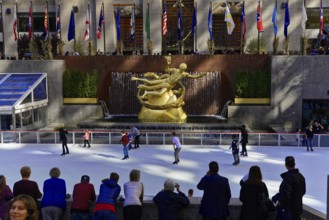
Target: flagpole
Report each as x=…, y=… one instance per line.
x=17, y=30
x=32, y=28
x=89, y=42
x=242, y=29
x=258, y=33
x=3, y=36
x=274, y=48
x=195, y=31
x=103, y=27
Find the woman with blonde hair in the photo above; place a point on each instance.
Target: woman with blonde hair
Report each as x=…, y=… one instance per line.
x=23, y=207
x=5, y=196
x=134, y=192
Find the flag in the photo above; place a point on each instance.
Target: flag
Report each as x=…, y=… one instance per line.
x=45, y=22
x=164, y=19
x=15, y=23
x=274, y=21
x=210, y=21
x=100, y=23
x=132, y=23
x=260, y=26
x=179, y=24
x=304, y=18
x=30, y=21
x=71, y=33
x=147, y=23
x=58, y=22
x=194, y=20
x=243, y=23
x=321, y=20
x=286, y=20
x=86, y=36
x=118, y=23
x=229, y=20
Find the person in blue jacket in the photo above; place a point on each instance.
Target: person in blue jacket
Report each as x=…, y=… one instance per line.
x=216, y=194
x=108, y=195
x=53, y=203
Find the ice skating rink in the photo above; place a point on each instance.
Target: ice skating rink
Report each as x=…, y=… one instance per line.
x=155, y=163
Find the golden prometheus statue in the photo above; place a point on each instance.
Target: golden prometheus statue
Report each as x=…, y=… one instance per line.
x=162, y=96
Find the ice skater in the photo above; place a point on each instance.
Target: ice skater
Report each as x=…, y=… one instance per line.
x=235, y=150
x=63, y=139
x=135, y=134
x=125, y=142
x=244, y=141
x=177, y=147
x=86, y=137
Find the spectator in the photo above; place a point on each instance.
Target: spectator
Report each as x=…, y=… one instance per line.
x=134, y=192
x=27, y=186
x=190, y=193
x=170, y=203
x=5, y=196
x=108, y=194
x=23, y=207
x=53, y=203
x=291, y=192
x=83, y=194
x=251, y=191
x=216, y=194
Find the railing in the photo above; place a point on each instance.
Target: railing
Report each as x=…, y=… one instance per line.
x=162, y=138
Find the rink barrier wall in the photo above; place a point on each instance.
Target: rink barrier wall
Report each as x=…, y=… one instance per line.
x=111, y=137
x=150, y=210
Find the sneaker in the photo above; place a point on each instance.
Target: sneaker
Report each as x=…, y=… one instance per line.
x=175, y=162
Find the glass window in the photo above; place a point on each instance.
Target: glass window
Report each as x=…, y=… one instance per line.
x=40, y=92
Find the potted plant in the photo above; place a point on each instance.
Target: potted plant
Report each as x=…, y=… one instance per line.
x=80, y=88
x=252, y=87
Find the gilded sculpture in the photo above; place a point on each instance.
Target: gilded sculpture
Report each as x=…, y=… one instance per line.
x=162, y=96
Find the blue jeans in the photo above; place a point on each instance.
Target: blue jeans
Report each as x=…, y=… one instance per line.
x=105, y=215
x=125, y=150
x=309, y=142
x=80, y=216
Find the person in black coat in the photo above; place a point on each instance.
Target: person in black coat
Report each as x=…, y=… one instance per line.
x=216, y=194
x=244, y=140
x=170, y=203
x=250, y=194
x=63, y=139
x=291, y=192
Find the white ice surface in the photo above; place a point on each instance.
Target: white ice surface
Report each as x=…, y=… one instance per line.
x=155, y=163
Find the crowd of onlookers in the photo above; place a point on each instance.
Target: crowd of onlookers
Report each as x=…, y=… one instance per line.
x=23, y=202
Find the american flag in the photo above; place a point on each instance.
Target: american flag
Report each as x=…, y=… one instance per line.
x=164, y=19
x=29, y=25
x=321, y=20
x=260, y=26
x=100, y=23
x=15, y=23
x=58, y=22
x=86, y=36
x=243, y=23
x=45, y=22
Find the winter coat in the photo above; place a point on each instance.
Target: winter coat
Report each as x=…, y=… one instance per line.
x=249, y=196
x=83, y=193
x=291, y=192
x=216, y=196
x=108, y=192
x=170, y=204
x=54, y=193
x=5, y=196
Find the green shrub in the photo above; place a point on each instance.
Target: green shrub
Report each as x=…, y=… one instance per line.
x=252, y=84
x=78, y=85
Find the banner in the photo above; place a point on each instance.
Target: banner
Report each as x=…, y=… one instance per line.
x=86, y=35
x=71, y=32
x=210, y=20
x=164, y=19
x=229, y=20
x=15, y=23
x=100, y=23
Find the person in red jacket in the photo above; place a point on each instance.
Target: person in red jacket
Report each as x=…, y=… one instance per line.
x=83, y=194
x=125, y=142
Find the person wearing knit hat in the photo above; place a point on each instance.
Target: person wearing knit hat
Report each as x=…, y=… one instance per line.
x=170, y=203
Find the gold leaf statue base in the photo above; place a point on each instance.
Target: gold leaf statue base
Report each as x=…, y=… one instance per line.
x=173, y=115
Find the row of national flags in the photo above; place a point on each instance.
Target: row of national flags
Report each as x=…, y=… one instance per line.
x=228, y=19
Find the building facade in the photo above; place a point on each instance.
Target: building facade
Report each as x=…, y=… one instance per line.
x=152, y=11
